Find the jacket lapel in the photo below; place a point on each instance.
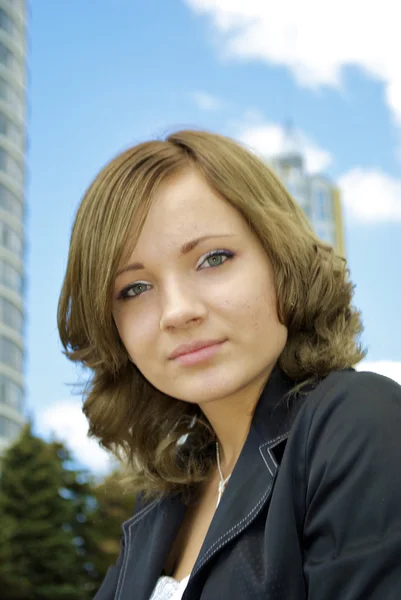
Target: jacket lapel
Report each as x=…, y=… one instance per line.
x=149, y=534
x=247, y=492
x=250, y=486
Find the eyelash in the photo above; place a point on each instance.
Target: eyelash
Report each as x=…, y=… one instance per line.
x=226, y=253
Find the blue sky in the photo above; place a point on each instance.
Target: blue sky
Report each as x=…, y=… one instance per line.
x=105, y=75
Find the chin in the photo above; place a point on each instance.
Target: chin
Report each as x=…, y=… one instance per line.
x=204, y=390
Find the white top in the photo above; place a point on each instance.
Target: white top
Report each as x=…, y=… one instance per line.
x=168, y=588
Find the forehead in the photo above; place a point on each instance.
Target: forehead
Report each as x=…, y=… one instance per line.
x=183, y=208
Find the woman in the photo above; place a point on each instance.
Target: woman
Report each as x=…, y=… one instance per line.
x=221, y=338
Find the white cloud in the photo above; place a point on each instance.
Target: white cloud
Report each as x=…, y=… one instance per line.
x=391, y=369
x=269, y=140
x=315, y=40
x=65, y=420
x=368, y=196
x=371, y=196
x=206, y=101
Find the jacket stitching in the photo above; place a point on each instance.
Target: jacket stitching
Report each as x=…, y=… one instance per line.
x=264, y=459
x=219, y=541
x=273, y=459
x=236, y=526
x=270, y=444
x=276, y=440
x=139, y=514
x=123, y=571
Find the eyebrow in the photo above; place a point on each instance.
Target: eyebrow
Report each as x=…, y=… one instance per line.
x=185, y=249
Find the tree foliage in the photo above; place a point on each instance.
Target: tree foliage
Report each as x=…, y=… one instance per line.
x=44, y=508
x=60, y=529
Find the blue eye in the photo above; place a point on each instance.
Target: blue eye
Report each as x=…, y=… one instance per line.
x=216, y=258
x=134, y=290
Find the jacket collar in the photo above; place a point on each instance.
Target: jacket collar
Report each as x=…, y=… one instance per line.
x=148, y=535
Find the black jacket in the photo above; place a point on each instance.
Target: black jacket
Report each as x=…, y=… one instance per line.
x=312, y=510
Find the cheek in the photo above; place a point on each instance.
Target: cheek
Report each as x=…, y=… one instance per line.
x=251, y=309
x=252, y=299
x=137, y=332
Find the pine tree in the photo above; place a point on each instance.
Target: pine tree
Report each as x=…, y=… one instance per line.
x=43, y=511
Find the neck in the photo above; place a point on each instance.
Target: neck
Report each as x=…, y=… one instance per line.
x=231, y=419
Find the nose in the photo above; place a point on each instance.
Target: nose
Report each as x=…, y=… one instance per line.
x=181, y=308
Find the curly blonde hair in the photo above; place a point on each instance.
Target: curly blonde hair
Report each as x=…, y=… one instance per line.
x=125, y=412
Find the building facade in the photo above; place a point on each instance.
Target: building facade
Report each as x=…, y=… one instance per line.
x=13, y=42
x=317, y=195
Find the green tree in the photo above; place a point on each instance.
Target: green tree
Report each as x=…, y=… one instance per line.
x=114, y=505
x=44, y=507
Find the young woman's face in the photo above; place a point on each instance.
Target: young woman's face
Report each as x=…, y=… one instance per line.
x=198, y=276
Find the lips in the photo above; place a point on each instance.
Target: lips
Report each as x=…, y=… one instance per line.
x=193, y=347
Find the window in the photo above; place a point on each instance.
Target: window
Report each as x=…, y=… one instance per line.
x=8, y=94
x=8, y=59
x=15, y=134
x=11, y=315
x=6, y=56
x=325, y=232
x=10, y=239
x=19, y=4
x=11, y=394
x=3, y=124
x=5, y=22
x=11, y=354
x=307, y=210
x=8, y=428
x=10, y=277
x=10, y=203
x=296, y=185
x=10, y=130
x=322, y=204
x=4, y=89
x=11, y=166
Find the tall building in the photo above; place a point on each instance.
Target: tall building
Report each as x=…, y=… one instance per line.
x=316, y=194
x=13, y=43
